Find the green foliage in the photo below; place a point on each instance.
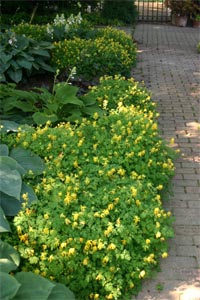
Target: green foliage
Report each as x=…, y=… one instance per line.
x=109, y=52
x=121, y=10
x=101, y=204
x=113, y=90
x=21, y=56
x=40, y=106
x=34, y=31
x=26, y=285
x=58, y=30
x=14, y=192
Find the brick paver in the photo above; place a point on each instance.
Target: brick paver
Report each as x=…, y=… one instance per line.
x=169, y=65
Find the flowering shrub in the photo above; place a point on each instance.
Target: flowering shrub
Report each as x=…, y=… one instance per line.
x=113, y=90
x=96, y=57
x=99, y=226
x=58, y=30
x=34, y=31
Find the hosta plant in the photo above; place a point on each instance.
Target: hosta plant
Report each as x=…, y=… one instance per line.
x=15, y=166
x=40, y=105
x=21, y=57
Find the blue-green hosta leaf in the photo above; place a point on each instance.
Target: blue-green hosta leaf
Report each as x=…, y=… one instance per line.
x=24, y=64
x=9, y=257
x=4, y=225
x=16, y=76
x=28, y=160
x=4, y=151
x=11, y=181
x=12, y=206
x=12, y=163
x=40, y=52
x=33, y=287
x=7, y=126
x=9, y=286
x=61, y=292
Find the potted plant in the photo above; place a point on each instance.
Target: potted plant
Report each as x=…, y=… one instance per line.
x=181, y=10
x=196, y=21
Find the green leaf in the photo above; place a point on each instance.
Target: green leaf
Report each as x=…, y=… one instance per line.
x=9, y=257
x=65, y=93
x=7, y=126
x=24, y=64
x=28, y=160
x=61, y=292
x=9, y=286
x=42, y=118
x=41, y=52
x=33, y=287
x=4, y=225
x=5, y=57
x=16, y=76
x=11, y=181
x=12, y=164
x=24, y=106
x=88, y=100
x=10, y=205
x=4, y=151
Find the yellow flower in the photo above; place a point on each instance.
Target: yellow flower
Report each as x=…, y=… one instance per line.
x=137, y=202
x=99, y=276
x=46, y=216
x=158, y=234
x=85, y=261
x=142, y=274
x=134, y=191
x=46, y=230
x=71, y=251
x=154, y=126
x=75, y=164
x=111, y=246
x=136, y=220
x=25, y=196
x=164, y=255
x=148, y=241
x=160, y=187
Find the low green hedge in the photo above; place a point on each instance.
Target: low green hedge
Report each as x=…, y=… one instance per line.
x=99, y=226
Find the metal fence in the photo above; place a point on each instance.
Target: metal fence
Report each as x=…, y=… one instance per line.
x=153, y=11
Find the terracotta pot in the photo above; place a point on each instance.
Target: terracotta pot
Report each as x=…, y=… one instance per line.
x=179, y=20
x=196, y=23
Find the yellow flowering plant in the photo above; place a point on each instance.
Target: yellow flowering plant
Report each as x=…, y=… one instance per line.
x=109, y=52
x=100, y=226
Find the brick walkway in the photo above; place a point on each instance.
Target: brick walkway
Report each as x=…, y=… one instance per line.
x=169, y=65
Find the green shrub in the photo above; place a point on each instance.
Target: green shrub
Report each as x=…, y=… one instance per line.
x=110, y=52
x=99, y=226
x=58, y=30
x=122, y=10
x=21, y=56
x=34, y=31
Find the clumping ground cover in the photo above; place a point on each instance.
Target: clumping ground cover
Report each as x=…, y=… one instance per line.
x=89, y=215
x=99, y=226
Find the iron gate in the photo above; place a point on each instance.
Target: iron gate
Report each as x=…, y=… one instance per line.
x=153, y=11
